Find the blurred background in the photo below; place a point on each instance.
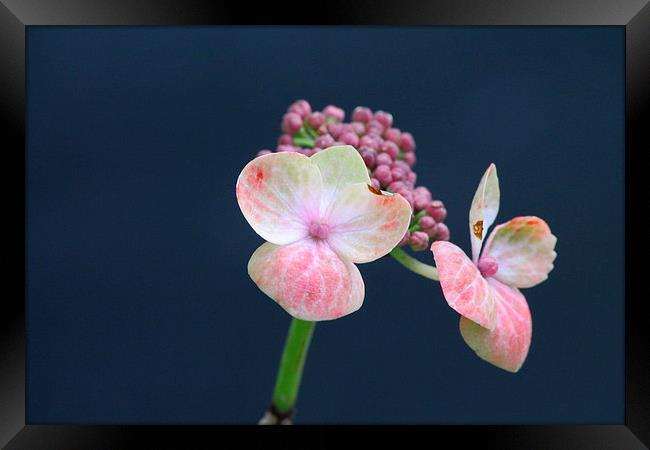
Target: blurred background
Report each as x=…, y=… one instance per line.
x=139, y=307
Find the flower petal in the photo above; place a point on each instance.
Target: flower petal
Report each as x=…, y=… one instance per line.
x=278, y=193
x=484, y=209
x=339, y=166
x=507, y=345
x=524, y=248
x=365, y=224
x=465, y=290
x=307, y=279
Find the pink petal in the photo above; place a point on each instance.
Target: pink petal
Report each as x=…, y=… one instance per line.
x=367, y=223
x=524, y=250
x=278, y=193
x=484, y=209
x=307, y=279
x=465, y=290
x=506, y=346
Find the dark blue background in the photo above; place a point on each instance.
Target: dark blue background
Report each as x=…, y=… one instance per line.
x=139, y=305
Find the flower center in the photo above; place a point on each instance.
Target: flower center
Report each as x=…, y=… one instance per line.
x=488, y=266
x=319, y=230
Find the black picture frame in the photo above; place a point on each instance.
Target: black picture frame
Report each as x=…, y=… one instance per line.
x=16, y=15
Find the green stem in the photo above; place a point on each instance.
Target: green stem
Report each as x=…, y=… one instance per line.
x=291, y=366
x=414, y=265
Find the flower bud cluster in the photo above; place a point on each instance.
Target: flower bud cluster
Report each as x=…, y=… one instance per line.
x=389, y=154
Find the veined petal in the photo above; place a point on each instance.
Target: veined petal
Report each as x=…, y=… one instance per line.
x=507, y=345
x=463, y=286
x=339, y=166
x=278, y=193
x=365, y=224
x=307, y=279
x=484, y=209
x=524, y=249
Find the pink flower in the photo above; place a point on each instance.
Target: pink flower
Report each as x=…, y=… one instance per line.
x=320, y=217
x=496, y=321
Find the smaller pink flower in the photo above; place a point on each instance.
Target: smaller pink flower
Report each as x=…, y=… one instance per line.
x=496, y=321
x=321, y=215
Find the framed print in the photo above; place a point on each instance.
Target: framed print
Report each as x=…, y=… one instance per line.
x=413, y=214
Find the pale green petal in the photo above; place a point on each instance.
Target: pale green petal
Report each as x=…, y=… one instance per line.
x=484, y=209
x=339, y=166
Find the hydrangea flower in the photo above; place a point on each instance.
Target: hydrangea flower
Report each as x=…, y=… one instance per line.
x=320, y=216
x=496, y=321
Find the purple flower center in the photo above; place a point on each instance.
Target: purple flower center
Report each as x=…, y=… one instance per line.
x=319, y=230
x=488, y=266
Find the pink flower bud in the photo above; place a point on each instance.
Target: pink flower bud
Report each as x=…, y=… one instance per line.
x=374, y=182
x=368, y=141
x=335, y=129
x=384, y=118
x=407, y=143
x=412, y=177
x=306, y=151
x=291, y=123
x=437, y=210
x=421, y=190
x=396, y=186
x=426, y=222
x=401, y=164
x=264, y=152
x=358, y=127
x=285, y=139
x=419, y=241
x=431, y=232
x=285, y=148
x=384, y=158
x=315, y=120
x=350, y=138
x=361, y=114
x=442, y=232
x=409, y=158
x=393, y=135
x=390, y=148
x=324, y=141
x=382, y=174
x=300, y=107
x=408, y=195
x=334, y=112
x=397, y=174
x=315, y=150
x=374, y=128
x=405, y=239
x=420, y=201
x=369, y=156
